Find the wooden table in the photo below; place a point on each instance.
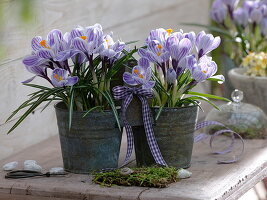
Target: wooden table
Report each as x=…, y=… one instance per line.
x=209, y=180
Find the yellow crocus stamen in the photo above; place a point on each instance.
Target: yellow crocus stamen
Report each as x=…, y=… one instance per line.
x=43, y=44
x=158, y=53
x=136, y=71
x=107, y=43
x=83, y=37
x=169, y=31
x=141, y=76
x=59, y=78
x=159, y=46
x=205, y=71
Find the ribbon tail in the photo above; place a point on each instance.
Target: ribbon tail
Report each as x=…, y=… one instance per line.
x=200, y=137
x=227, y=149
x=128, y=128
x=153, y=145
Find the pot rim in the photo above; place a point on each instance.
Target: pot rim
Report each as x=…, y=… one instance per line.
x=240, y=73
x=56, y=106
x=174, y=108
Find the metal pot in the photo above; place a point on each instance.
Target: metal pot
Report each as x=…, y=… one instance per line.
x=92, y=143
x=174, y=132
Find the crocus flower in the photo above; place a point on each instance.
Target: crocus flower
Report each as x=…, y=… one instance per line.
x=218, y=11
x=256, y=15
x=204, y=69
x=231, y=5
x=171, y=75
x=178, y=50
x=159, y=34
x=155, y=52
x=34, y=60
x=205, y=43
x=156, y=42
x=186, y=63
x=74, y=54
x=263, y=26
x=111, y=49
x=263, y=2
x=249, y=5
x=60, y=78
x=39, y=70
x=241, y=17
x=89, y=40
x=140, y=75
x=48, y=48
x=191, y=36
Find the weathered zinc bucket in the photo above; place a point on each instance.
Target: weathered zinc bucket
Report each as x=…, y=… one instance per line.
x=174, y=132
x=92, y=143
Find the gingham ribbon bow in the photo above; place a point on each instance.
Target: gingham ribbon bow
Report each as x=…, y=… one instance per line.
x=126, y=94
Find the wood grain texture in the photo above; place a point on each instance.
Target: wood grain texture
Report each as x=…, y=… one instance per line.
x=129, y=20
x=209, y=180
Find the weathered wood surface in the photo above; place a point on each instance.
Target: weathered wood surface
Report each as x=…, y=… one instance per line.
x=209, y=180
x=129, y=20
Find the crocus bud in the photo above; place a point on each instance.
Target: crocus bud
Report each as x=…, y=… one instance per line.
x=263, y=2
x=263, y=26
x=256, y=15
x=218, y=11
x=263, y=9
x=241, y=17
x=231, y=3
x=249, y=5
x=171, y=75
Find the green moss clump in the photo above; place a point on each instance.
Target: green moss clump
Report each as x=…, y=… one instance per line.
x=158, y=177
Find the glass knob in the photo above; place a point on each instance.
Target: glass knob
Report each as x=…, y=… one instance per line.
x=237, y=96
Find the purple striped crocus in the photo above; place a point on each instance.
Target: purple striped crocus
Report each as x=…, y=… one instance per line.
x=49, y=48
x=110, y=49
x=171, y=76
x=46, y=50
x=256, y=15
x=156, y=51
x=218, y=11
x=231, y=3
x=40, y=71
x=159, y=34
x=88, y=40
x=204, y=69
x=61, y=78
x=241, y=17
x=205, y=43
x=178, y=49
x=140, y=75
